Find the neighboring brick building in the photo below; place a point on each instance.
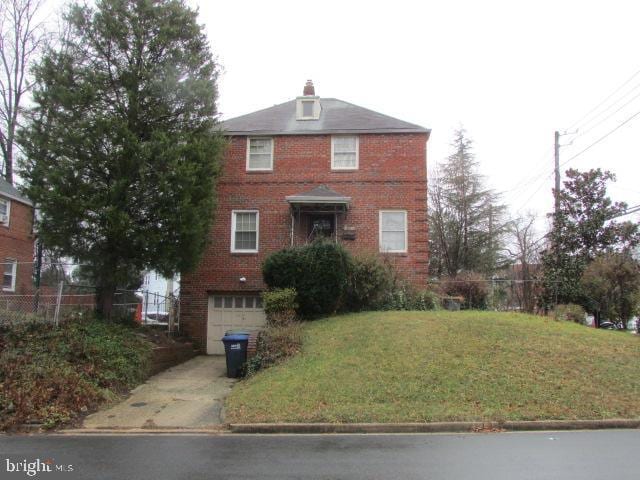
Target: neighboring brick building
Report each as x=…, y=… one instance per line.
x=302, y=168
x=16, y=240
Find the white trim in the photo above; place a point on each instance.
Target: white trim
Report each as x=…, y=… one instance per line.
x=14, y=273
x=315, y=111
x=406, y=231
x=249, y=154
x=16, y=199
x=327, y=200
x=233, y=231
x=7, y=221
x=333, y=167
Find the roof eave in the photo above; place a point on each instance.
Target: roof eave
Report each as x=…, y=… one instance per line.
x=231, y=133
x=16, y=199
x=318, y=200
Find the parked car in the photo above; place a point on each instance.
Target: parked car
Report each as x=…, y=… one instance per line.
x=156, y=318
x=608, y=325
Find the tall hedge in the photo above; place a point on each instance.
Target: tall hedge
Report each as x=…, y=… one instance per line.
x=319, y=272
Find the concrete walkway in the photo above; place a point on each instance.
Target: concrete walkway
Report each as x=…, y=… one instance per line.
x=189, y=395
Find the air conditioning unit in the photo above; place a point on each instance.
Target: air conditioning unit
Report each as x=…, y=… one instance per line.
x=3, y=218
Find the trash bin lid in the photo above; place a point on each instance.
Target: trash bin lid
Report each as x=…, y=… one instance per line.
x=236, y=338
x=237, y=332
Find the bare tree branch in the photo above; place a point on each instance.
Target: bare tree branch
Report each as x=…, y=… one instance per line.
x=21, y=38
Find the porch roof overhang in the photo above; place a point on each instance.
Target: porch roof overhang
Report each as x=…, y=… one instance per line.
x=319, y=196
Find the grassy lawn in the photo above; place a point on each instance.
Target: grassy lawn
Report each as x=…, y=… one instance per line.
x=439, y=366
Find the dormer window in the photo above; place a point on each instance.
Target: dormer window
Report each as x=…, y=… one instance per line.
x=308, y=106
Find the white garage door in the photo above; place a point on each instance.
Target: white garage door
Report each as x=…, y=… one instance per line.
x=232, y=312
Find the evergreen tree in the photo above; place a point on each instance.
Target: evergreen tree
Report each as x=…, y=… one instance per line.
x=122, y=148
x=583, y=228
x=465, y=219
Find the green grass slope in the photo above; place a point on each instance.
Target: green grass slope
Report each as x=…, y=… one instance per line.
x=446, y=366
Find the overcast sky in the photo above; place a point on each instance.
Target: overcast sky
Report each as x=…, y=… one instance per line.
x=510, y=72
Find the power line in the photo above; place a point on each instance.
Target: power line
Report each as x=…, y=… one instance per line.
x=535, y=191
x=626, y=82
x=582, y=133
x=601, y=138
x=531, y=179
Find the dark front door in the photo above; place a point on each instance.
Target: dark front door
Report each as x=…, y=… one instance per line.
x=321, y=226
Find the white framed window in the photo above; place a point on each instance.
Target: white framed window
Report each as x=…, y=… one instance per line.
x=5, y=212
x=10, y=268
x=259, y=153
x=307, y=108
x=245, y=229
x=393, y=231
x=344, y=152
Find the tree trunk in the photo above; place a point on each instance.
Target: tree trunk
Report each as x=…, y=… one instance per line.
x=104, y=301
x=8, y=167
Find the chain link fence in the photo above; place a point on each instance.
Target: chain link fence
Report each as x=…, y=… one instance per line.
x=58, y=295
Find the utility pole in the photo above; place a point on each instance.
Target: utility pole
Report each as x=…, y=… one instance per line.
x=557, y=170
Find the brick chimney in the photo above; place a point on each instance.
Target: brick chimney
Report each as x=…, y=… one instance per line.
x=308, y=89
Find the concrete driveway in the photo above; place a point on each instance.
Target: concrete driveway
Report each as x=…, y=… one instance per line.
x=189, y=395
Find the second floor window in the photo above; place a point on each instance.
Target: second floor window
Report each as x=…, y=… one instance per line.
x=260, y=153
x=4, y=212
x=344, y=152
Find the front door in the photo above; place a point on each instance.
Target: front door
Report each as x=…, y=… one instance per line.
x=321, y=226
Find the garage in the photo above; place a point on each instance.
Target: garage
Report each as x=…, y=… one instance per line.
x=232, y=312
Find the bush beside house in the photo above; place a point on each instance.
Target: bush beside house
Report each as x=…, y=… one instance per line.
x=319, y=272
x=327, y=279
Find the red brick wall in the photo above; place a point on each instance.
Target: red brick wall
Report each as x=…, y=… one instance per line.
x=391, y=175
x=16, y=242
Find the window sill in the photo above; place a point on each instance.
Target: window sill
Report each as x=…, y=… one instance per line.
x=240, y=253
x=396, y=254
x=344, y=170
x=259, y=171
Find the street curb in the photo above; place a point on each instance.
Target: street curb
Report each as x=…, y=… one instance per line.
x=435, y=427
x=214, y=430
x=356, y=428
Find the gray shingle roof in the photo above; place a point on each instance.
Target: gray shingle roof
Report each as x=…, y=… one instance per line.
x=336, y=117
x=9, y=191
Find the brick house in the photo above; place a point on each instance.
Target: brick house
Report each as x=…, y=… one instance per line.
x=16, y=240
x=311, y=166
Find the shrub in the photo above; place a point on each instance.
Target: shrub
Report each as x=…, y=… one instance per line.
x=426, y=300
x=274, y=345
x=569, y=312
x=280, y=305
x=50, y=374
x=318, y=272
x=469, y=285
x=370, y=281
x=611, y=286
x=404, y=298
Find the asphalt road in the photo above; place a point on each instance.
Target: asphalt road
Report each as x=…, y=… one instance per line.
x=540, y=455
